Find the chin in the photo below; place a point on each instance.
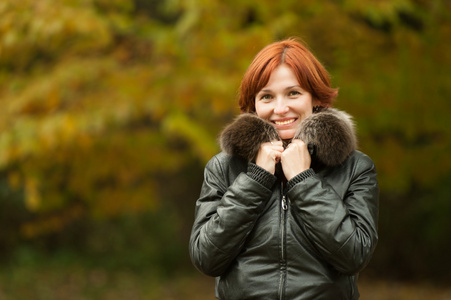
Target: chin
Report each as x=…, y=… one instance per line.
x=286, y=134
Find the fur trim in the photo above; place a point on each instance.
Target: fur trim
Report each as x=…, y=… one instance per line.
x=329, y=134
x=244, y=136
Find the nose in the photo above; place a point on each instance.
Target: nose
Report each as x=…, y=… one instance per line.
x=281, y=107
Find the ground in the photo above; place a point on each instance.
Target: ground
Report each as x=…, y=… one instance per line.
x=81, y=283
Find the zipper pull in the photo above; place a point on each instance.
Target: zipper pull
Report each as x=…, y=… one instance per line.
x=284, y=203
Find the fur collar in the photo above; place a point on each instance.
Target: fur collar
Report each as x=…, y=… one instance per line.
x=329, y=134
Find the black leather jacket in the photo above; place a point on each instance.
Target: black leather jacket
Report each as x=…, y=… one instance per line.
x=305, y=239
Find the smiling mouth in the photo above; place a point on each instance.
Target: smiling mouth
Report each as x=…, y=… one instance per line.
x=286, y=122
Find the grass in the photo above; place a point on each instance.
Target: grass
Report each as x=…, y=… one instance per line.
x=76, y=282
x=389, y=290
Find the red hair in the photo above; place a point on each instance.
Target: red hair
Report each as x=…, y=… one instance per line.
x=310, y=73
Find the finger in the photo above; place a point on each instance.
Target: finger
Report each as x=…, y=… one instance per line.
x=297, y=142
x=272, y=144
x=277, y=156
x=279, y=149
x=276, y=146
x=291, y=146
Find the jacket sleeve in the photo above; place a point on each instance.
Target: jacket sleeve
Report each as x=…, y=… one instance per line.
x=225, y=215
x=344, y=231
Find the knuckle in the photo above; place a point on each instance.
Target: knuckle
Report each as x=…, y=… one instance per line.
x=300, y=142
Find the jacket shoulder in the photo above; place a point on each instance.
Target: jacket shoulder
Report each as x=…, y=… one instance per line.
x=361, y=161
x=226, y=167
x=223, y=160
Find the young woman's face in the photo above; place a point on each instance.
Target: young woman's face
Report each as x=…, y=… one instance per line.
x=283, y=102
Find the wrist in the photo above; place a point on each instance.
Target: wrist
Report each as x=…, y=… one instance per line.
x=261, y=175
x=299, y=178
x=294, y=173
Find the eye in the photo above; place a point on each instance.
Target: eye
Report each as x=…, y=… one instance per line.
x=266, y=97
x=293, y=93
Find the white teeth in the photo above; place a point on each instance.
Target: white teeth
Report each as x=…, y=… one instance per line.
x=284, y=122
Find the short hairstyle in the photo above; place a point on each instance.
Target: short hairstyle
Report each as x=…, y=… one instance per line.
x=310, y=73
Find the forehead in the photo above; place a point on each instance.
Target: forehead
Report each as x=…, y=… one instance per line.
x=282, y=76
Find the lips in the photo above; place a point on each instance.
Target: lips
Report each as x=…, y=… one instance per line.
x=284, y=122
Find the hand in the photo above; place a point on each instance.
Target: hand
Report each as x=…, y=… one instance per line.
x=269, y=155
x=295, y=159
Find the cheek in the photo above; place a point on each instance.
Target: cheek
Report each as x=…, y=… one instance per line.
x=260, y=111
x=306, y=109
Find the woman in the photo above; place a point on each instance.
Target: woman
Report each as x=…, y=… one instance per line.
x=289, y=209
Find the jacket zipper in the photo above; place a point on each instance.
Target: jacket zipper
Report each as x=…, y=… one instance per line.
x=284, y=203
x=283, y=263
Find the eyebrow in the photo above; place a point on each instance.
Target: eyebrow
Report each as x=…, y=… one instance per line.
x=294, y=86
x=287, y=88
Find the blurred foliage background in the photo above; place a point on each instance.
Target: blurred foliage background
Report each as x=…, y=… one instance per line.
x=109, y=110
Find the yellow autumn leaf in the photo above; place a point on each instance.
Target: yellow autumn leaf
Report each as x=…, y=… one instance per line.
x=32, y=196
